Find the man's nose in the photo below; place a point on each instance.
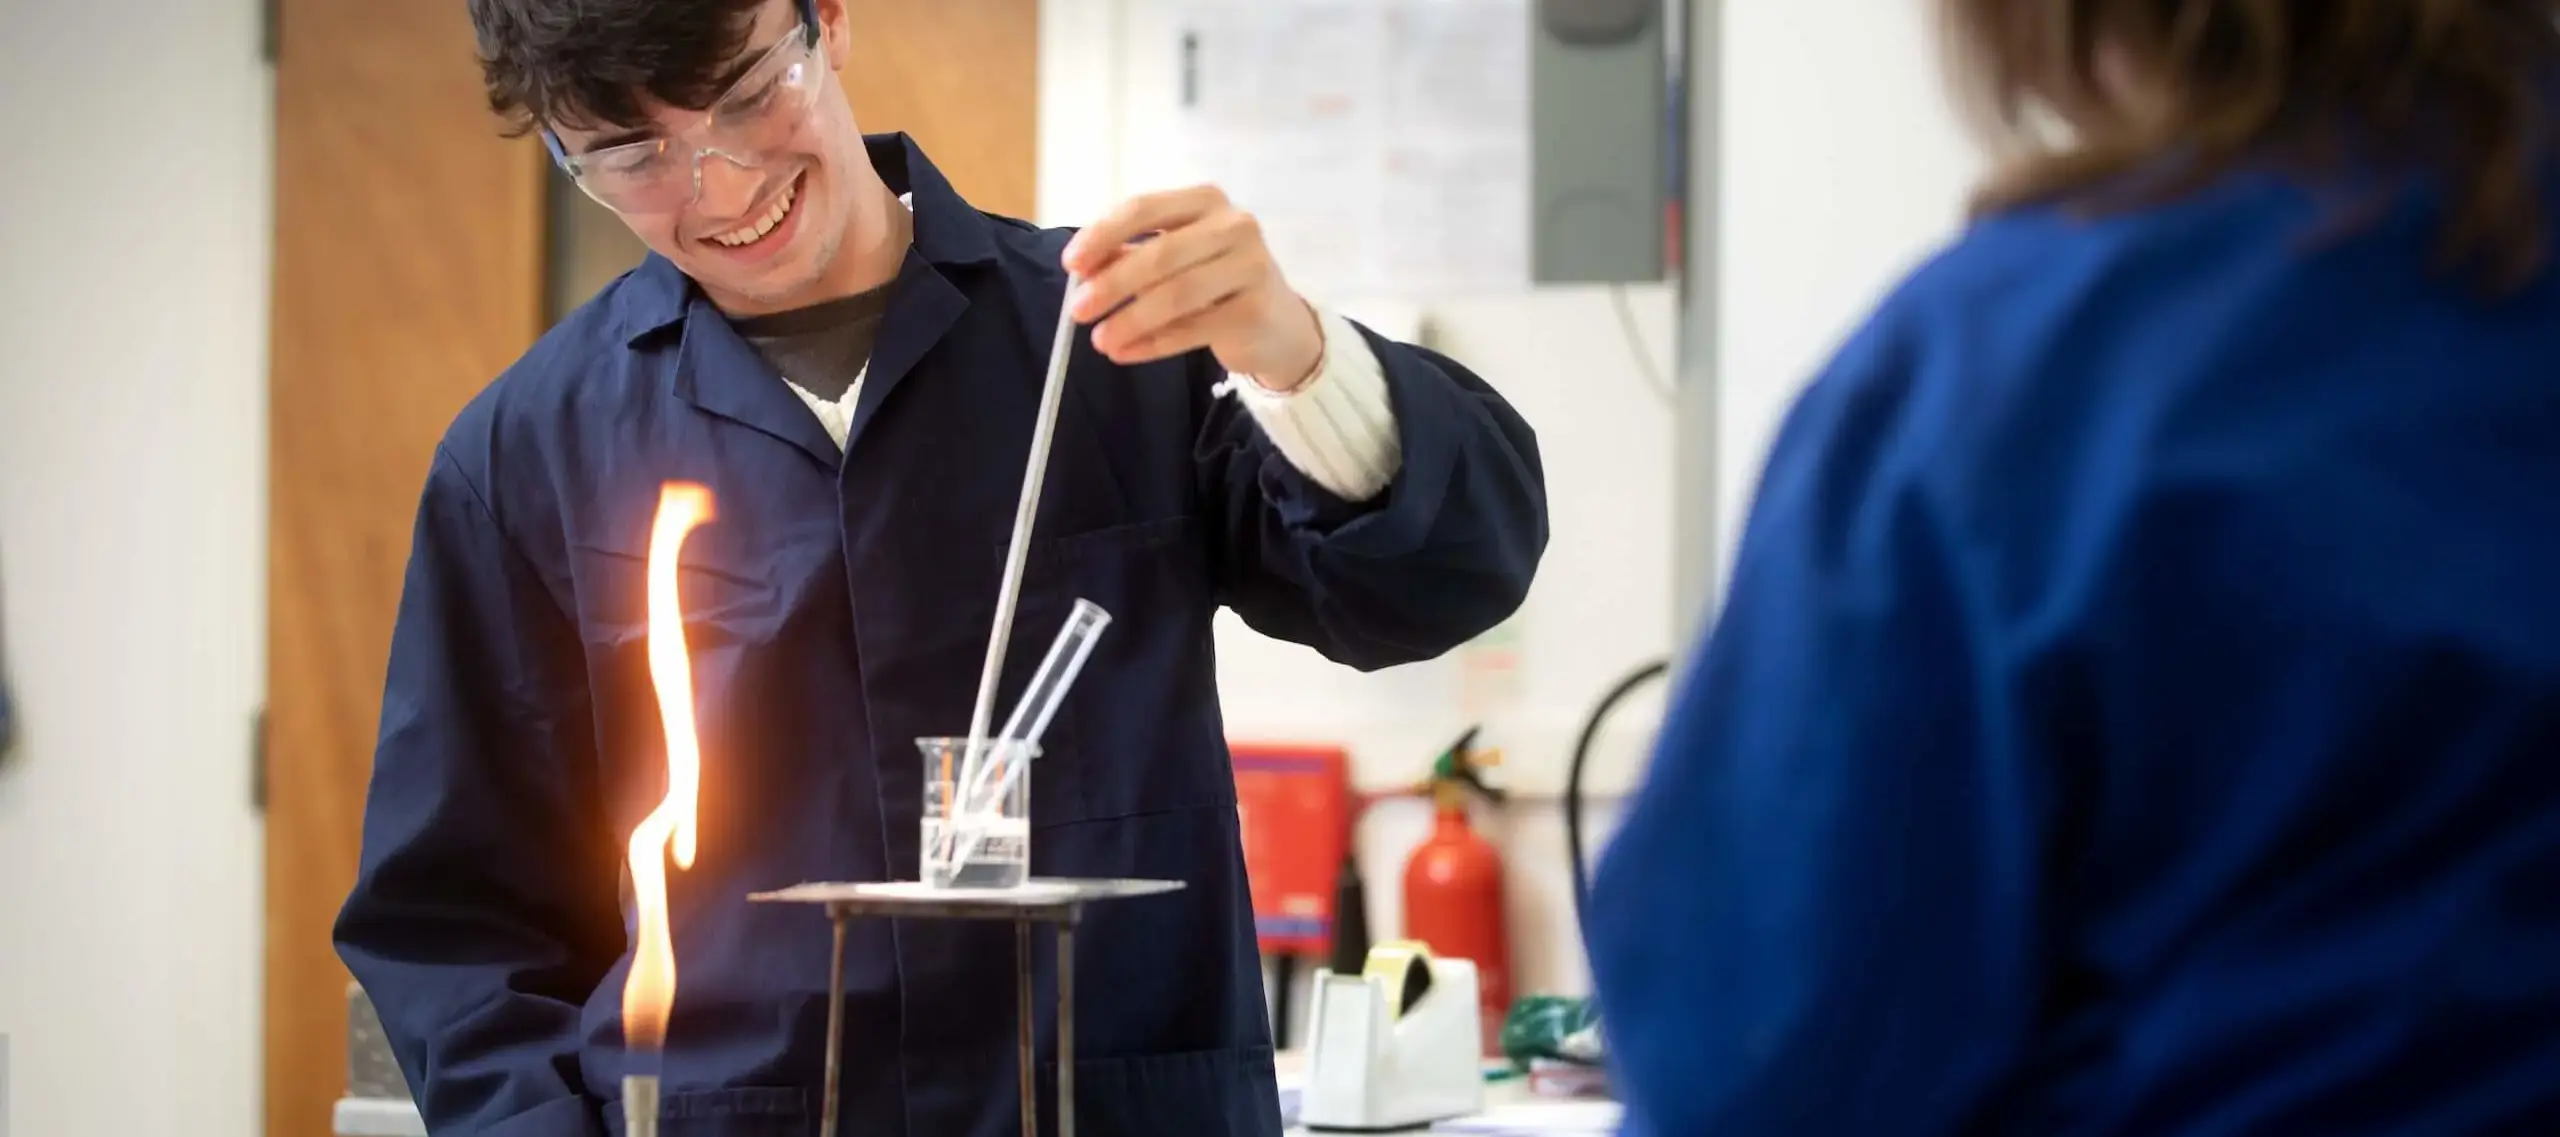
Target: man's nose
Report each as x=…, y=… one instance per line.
x=724, y=188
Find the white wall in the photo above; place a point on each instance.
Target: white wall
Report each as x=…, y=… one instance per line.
x=133, y=228
x=1840, y=168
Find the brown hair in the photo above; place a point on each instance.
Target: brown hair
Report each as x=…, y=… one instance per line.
x=2459, y=86
x=589, y=64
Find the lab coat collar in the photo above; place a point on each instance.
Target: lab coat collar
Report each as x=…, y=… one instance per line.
x=948, y=231
x=718, y=371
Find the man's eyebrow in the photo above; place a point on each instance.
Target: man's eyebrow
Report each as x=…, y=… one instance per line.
x=758, y=50
x=619, y=138
x=738, y=71
x=727, y=81
x=746, y=65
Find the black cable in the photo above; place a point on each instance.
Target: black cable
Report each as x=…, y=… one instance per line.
x=1573, y=776
x=1637, y=350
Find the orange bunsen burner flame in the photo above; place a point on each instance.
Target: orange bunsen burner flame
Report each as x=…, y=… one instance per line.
x=648, y=995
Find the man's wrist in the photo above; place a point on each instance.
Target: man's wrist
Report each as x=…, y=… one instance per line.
x=1288, y=385
x=1338, y=426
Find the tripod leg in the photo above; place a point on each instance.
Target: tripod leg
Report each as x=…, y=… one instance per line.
x=1067, y=1029
x=1023, y=1013
x=835, y=1033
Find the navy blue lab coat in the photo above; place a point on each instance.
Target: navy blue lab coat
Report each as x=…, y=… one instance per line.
x=2136, y=708
x=839, y=609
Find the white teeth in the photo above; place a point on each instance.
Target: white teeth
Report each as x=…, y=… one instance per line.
x=753, y=232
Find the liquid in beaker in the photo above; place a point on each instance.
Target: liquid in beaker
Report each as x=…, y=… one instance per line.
x=976, y=827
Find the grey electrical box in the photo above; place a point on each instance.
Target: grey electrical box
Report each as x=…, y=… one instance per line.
x=1599, y=128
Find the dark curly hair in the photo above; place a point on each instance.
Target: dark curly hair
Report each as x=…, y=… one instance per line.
x=587, y=64
x=2460, y=87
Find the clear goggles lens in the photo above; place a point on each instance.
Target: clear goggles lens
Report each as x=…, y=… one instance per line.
x=756, y=116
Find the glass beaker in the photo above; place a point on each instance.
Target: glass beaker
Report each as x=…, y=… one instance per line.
x=976, y=829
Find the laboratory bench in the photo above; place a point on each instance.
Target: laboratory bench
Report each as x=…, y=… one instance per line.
x=377, y=1102
x=390, y=1117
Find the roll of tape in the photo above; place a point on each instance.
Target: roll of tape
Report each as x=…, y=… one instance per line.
x=1404, y=966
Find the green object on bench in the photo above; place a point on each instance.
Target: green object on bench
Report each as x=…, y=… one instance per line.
x=1559, y=1027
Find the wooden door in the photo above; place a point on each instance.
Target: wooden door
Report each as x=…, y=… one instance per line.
x=412, y=246
x=962, y=77
x=408, y=269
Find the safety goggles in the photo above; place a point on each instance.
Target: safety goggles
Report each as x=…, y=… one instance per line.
x=757, y=115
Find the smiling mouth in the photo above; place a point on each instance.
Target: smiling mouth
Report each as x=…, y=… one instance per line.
x=756, y=230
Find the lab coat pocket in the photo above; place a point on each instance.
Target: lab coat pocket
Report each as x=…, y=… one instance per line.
x=757, y=1111
x=720, y=601
x=1128, y=739
x=736, y=624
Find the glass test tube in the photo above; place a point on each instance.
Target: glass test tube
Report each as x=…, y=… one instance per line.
x=1057, y=672
x=995, y=775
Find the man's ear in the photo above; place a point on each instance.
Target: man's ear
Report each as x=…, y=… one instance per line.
x=836, y=28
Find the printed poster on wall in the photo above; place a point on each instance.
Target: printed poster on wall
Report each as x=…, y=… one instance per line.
x=1383, y=143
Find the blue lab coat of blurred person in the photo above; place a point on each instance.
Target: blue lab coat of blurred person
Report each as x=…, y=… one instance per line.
x=2136, y=706
x=838, y=608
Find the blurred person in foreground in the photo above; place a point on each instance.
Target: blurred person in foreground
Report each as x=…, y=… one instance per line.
x=849, y=356
x=2137, y=705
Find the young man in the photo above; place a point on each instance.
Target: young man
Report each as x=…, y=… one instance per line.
x=849, y=356
x=2137, y=707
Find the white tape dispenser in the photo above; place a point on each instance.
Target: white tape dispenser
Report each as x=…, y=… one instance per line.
x=1394, y=1047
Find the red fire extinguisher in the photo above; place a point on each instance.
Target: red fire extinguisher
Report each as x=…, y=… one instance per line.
x=1453, y=884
